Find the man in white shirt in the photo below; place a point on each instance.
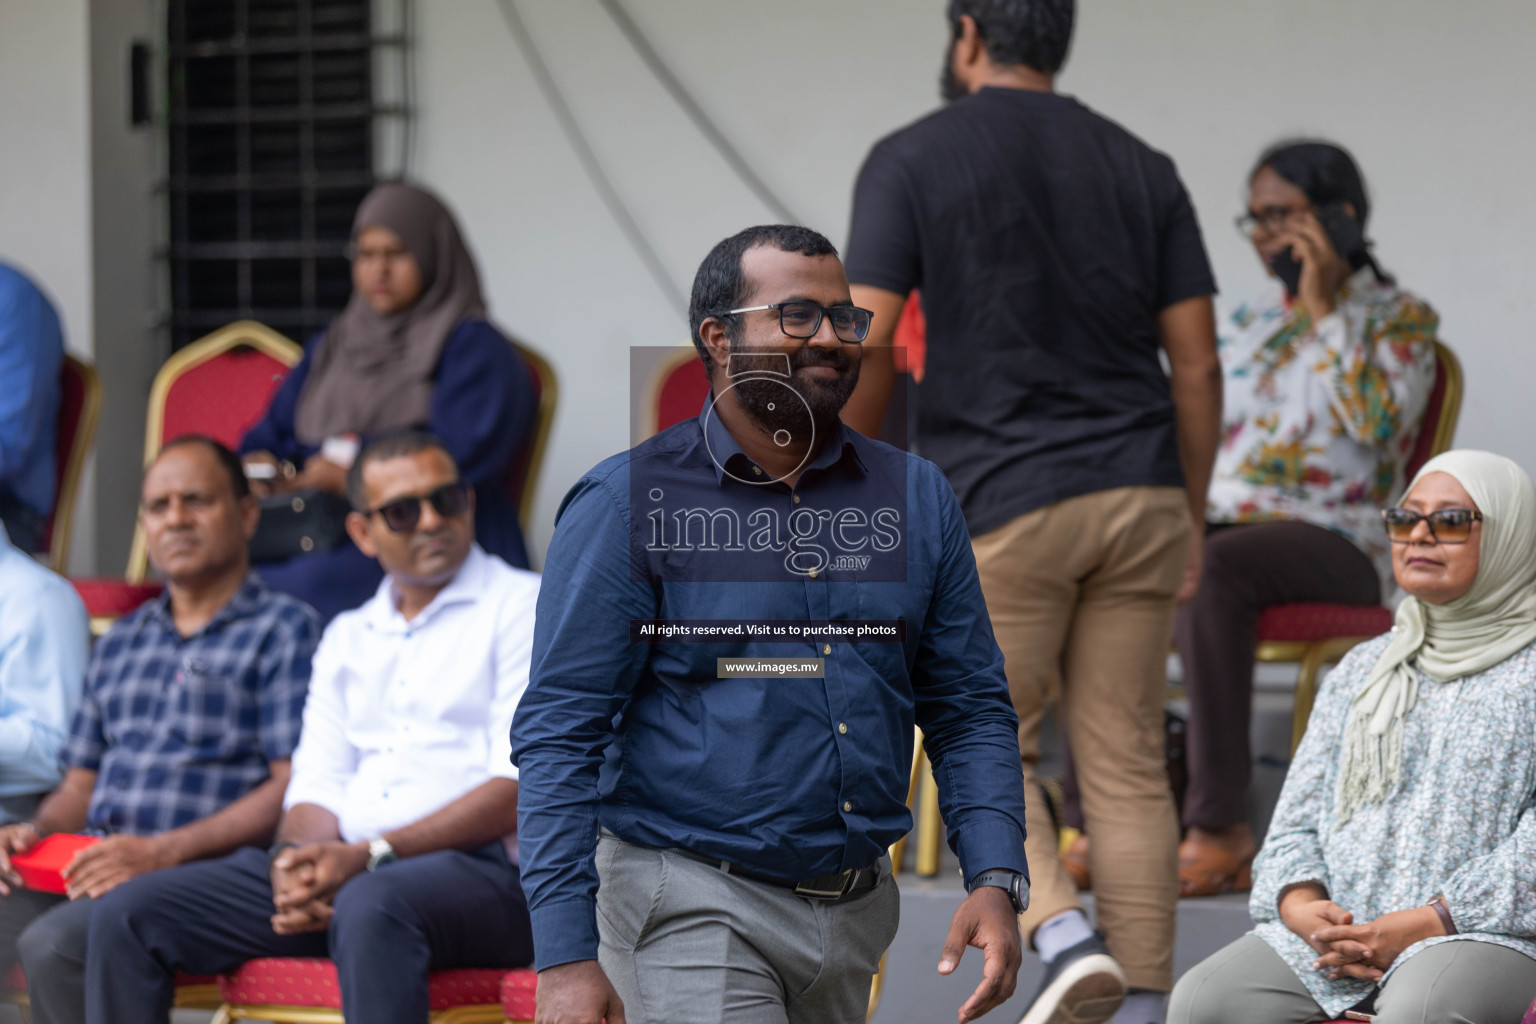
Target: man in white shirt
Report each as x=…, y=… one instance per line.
x=44, y=641
x=397, y=851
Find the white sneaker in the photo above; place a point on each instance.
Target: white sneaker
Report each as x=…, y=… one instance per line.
x=1083, y=985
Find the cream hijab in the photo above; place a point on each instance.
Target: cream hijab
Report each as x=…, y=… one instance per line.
x=1489, y=623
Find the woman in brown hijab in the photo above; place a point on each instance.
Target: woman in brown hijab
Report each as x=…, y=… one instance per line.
x=412, y=349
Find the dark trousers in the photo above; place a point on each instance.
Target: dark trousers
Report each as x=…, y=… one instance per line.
x=1248, y=567
x=444, y=909
x=46, y=934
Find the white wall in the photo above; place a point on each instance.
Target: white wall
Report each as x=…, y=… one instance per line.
x=1435, y=100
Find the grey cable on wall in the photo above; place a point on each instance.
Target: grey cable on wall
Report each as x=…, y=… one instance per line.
x=701, y=120
x=588, y=158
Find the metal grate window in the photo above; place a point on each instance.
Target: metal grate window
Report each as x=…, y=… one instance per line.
x=273, y=125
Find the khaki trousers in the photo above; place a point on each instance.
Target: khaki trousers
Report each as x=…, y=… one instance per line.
x=1081, y=596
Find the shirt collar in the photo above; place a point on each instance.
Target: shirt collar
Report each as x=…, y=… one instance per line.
x=468, y=585
x=246, y=601
x=722, y=450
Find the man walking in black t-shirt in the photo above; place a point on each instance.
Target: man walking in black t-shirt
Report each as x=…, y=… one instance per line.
x=1056, y=254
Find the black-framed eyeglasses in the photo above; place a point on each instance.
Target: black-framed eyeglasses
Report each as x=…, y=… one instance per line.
x=1446, y=526
x=403, y=514
x=1271, y=220
x=801, y=319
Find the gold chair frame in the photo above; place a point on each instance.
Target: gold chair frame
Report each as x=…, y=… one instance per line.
x=549, y=398
x=74, y=464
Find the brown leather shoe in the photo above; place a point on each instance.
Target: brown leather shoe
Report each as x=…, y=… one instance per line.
x=1206, y=869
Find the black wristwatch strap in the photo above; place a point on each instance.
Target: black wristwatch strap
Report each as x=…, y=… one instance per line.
x=275, y=849
x=1011, y=882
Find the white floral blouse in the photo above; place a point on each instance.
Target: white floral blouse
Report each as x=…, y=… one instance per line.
x=1319, y=419
x=1459, y=824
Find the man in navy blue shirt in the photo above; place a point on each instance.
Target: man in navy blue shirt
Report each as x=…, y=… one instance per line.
x=740, y=622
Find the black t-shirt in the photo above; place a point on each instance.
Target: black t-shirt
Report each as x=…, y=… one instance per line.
x=1045, y=240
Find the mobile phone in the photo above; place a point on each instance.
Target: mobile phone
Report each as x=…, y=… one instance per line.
x=1357, y=1015
x=1344, y=234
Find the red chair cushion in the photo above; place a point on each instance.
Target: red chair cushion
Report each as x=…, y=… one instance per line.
x=517, y=991
x=107, y=598
x=1309, y=623
x=223, y=397
x=682, y=394
x=298, y=981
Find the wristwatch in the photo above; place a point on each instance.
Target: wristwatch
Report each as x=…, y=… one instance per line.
x=380, y=853
x=1011, y=882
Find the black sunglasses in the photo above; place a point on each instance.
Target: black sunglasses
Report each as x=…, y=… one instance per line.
x=1447, y=526
x=401, y=515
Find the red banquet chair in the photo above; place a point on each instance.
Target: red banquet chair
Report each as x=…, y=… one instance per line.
x=677, y=390
x=523, y=476
x=298, y=990
x=74, y=435
x=219, y=385
x=1315, y=635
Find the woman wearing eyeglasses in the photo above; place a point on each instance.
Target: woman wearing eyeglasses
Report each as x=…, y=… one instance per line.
x=413, y=348
x=1326, y=376
x=1398, y=872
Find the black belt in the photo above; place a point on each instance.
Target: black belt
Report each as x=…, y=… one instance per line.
x=833, y=888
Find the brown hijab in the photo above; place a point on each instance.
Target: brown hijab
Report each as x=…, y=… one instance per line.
x=374, y=372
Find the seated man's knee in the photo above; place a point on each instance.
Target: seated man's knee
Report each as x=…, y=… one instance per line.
x=370, y=905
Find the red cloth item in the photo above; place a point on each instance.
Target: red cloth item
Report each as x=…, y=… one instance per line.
x=41, y=867
x=1309, y=623
x=304, y=981
x=107, y=598
x=517, y=992
x=911, y=338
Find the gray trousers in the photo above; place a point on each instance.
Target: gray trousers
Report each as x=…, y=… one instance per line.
x=1465, y=982
x=686, y=943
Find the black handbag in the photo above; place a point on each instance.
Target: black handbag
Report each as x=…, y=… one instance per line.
x=299, y=523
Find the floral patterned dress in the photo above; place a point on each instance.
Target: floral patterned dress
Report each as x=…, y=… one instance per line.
x=1319, y=418
x=1459, y=824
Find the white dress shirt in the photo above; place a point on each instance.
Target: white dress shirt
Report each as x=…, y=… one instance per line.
x=44, y=641
x=403, y=717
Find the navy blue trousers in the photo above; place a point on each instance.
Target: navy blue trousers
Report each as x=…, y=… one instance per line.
x=445, y=909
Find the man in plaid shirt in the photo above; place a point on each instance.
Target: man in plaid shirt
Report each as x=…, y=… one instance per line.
x=180, y=747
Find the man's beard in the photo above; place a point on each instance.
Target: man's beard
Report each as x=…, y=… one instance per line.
x=824, y=397
x=950, y=86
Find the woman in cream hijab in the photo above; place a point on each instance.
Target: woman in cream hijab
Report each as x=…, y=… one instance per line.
x=1399, y=873
x=412, y=349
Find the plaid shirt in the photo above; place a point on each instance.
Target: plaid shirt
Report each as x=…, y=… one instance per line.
x=178, y=728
